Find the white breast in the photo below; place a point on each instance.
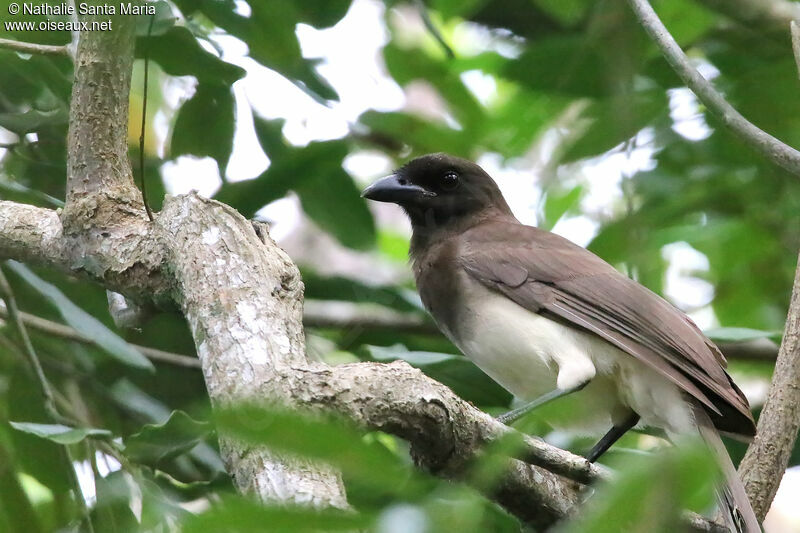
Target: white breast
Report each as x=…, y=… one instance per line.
x=529, y=355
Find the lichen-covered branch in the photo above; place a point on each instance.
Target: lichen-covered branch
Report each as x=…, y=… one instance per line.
x=242, y=297
x=446, y=433
x=767, y=457
x=106, y=236
x=31, y=234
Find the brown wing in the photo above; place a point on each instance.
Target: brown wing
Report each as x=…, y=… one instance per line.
x=550, y=275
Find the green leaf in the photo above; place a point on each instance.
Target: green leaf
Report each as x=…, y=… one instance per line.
x=327, y=193
x=205, y=124
x=334, y=442
x=161, y=505
x=454, y=8
x=32, y=120
x=321, y=13
x=739, y=334
x=556, y=205
x=31, y=195
x=156, y=443
x=37, y=457
x=269, y=32
x=569, y=12
x=650, y=491
x=16, y=511
x=180, y=54
x=243, y=516
x=341, y=288
x=163, y=20
x=407, y=65
x=686, y=20
x=615, y=120
x=455, y=371
x=83, y=322
x=113, y=513
x=424, y=136
x=568, y=64
x=133, y=399
x=334, y=203
x=391, y=244
x=58, y=433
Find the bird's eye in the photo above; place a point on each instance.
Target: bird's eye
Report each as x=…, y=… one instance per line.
x=450, y=181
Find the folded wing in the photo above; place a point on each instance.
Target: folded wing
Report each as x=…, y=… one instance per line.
x=550, y=275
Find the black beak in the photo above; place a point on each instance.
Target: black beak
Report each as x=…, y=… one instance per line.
x=395, y=189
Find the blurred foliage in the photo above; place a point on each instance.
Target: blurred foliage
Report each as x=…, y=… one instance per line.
x=574, y=83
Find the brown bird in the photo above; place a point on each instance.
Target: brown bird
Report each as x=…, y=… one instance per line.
x=545, y=318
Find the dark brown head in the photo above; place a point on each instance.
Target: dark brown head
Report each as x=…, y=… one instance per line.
x=439, y=190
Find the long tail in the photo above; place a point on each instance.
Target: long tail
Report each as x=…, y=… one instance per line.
x=737, y=512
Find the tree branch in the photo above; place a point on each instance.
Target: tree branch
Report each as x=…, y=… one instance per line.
x=100, y=187
x=358, y=317
x=242, y=297
x=794, y=29
x=33, y=48
x=13, y=314
x=245, y=318
x=768, y=456
x=446, y=433
x=346, y=315
x=773, y=149
x=776, y=13
x=7, y=296
x=31, y=234
x=108, y=237
x=65, y=332
x=318, y=314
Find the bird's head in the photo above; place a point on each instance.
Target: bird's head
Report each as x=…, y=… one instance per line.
x=437, y=189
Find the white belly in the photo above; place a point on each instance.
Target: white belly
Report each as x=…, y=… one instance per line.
x=530, y=355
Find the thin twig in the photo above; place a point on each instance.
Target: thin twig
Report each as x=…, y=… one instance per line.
x=319, y=315
x=795, y=31
x=66, y=332
x=144, y=118
x=768, y=456
x=433, y=30
x=365, y=318
x=33, y=48
x=537, y=452
x=346, y=315
x=47, y=392
x=103, y=445
x=13, y=314
x=773, y=149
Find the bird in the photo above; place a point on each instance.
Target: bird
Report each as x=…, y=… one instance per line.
x=546, y=318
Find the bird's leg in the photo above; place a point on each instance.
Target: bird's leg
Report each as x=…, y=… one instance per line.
x=515, y=414
x=611, y=437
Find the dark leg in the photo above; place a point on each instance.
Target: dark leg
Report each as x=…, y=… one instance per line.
x=611, y=437
x=512, y=416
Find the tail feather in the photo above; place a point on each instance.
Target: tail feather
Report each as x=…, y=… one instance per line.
x=735, y=507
